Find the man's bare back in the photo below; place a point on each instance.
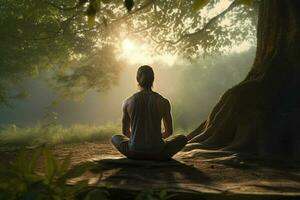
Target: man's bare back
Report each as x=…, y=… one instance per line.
x=164, y=109
x=141, y=123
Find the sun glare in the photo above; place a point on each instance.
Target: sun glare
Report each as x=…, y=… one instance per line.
x=128, y=45
x=137, y=53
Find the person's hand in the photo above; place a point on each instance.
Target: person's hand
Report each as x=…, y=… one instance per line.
x=165, y=135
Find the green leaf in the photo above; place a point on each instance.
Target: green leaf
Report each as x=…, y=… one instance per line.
x=32, y=178
x=245, y=2
x=93, y=8
x=50, y=165
x=91, y=20
x=82, y=2
x=7, y=180
x=199, y=4
x=76, y=171
x=32, y=162
x=129, y=4
x=65, y=164
x=91, y=11
x=21, y=165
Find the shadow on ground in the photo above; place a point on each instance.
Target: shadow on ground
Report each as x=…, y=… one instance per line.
x=197, y=175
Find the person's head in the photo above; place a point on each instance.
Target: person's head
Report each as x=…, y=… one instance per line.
x=145, y=77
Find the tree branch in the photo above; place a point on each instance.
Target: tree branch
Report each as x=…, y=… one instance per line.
x=145, y=5
x=201, y=30
x=61, y=7
x=143, y=29
x=64, y=24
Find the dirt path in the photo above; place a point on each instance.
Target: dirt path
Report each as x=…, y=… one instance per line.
x=80, y=152
x=85, y=151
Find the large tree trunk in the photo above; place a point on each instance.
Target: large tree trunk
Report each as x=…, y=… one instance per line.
x=261, y=114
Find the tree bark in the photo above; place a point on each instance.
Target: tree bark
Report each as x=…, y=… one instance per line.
x=260, y=115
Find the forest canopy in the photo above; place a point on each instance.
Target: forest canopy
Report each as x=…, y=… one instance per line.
x=78, y=42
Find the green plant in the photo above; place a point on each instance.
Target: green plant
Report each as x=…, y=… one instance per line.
x=29, y=179
x=12, y=135
x=22, y=180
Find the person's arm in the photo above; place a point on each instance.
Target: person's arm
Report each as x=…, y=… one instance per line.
x=168, y=121
x=125, y=121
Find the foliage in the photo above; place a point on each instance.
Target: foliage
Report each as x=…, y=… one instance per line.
x=11, y=135
x=129, y=4
x=21, y=180
x=198, y=4
x=174, y=26
x=28, y=178
x=77, y=40
x=38, y=36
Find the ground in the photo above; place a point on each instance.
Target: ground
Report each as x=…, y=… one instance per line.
x=205, y=174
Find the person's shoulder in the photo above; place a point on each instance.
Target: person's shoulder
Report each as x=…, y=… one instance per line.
x=163, y=99
x=129, y=99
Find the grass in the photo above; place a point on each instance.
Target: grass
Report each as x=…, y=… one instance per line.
x=12, y=135
x=55, y=134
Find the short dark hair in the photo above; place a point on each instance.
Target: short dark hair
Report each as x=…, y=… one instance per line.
x=145, y=76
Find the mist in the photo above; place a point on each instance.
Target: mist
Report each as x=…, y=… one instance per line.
x=192, y=88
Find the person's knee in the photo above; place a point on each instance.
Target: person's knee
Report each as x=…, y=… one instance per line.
x=115, y=138
x=118, y=139
x=182, y=138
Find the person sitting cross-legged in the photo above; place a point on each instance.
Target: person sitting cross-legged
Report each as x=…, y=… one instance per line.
x=141, y=124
